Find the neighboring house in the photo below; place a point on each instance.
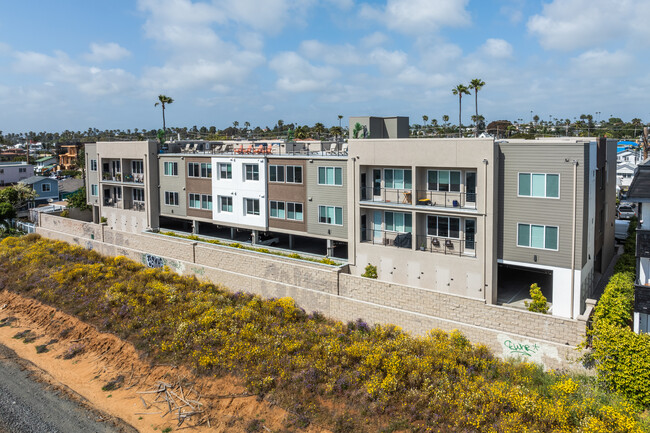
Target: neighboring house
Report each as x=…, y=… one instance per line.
x=639, y=192
x=628, y=155
x=14, y=172
x=47, y=189
x=624, y=175
x=473, y=217
x=45, y=165
x=69, y=186
x=68, y=155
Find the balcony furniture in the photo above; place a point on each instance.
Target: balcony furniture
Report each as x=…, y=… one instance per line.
x=425, y=202
x=455, y=203
x=449, y=244
x=435, y=242
x=406, y=197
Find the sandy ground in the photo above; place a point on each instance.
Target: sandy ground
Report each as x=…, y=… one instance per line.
x=222, y=402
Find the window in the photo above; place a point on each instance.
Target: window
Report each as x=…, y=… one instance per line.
x=330, y=215
x=444, y=227
x=46, y=187
x=225, y=204
x=276, y=173
x=93, y=165
x=251, y=206
x=397, y=178
x=171, y=198
x=137, y=167
x=22, y=170
x=171, y=168
x=195, y=201
x=252, y=171
x=539, y=185
x=537, y=236
x=225, y=170
x=330, y=176
x=294, y=174
x=276, y=209
x=443, y=180
x=398, y=222
x=294, y=211
x=94, y=190
x=193, y=169
x=138, y=195
x=200, y=201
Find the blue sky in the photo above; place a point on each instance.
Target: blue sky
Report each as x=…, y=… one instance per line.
x=75, y=64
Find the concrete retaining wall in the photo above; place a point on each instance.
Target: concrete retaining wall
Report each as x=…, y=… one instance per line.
x=546, y=339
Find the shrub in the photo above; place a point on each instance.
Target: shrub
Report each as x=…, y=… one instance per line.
x=370, y=271
x=65, y=213
x=103, y=220
x=538, y=304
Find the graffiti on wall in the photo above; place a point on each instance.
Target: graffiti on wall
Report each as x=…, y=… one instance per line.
x=530, y=350
x=153, y=261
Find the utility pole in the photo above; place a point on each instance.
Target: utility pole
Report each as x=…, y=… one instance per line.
x=645, y=143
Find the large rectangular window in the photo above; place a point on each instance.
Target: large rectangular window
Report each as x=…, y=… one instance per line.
x=294, y=174
x=171, y=168
x=330, y=176
x=444, y=227
x=398, y=222
x=225, y=170
x=203, y=169
x=397, y=178
x=93, y=165
x=539, y=185
x=45, y=187
x=195, y=201
x=330, y=215
x=206, y=169
x=276, y=209
x=225, y=204
x=94, y=189
x=537, y=236
x=443, y=180
x=206, y=201
x=294, y=211
x=137, y=167
x=276, y=173
x=252, y=171
x=171, y=198
x=138, y=195
x=252, y=206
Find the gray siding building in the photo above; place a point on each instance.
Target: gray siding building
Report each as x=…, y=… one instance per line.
x=327, y=201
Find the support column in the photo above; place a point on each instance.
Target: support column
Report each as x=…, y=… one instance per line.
x=195, y=227
x=232, y=233
x=330, y=248
x=254, y=236
x=290, y=242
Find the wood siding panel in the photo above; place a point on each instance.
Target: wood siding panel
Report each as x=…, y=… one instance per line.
x=326, y=195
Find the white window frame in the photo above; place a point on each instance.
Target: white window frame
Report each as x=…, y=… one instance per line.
x=324, y=177
x=137, y=194
x=448, y=218
x=193, y=197
x=275, y=169
x=437, y=170
x=293, y=169
x=173, y=168
x=403, y=170
x=529, y=237
x=94, y=190
x=206, y=201
x=254, y=172
x=333, y=223
x=49, y=187
x=294, y=205
x=137, y=167
x=228, y=203
x=193, y=169
x=531, y=174
x=171, y=198
x=254, y=201
x=403, y=216
x=278, y=207
x=228, y=170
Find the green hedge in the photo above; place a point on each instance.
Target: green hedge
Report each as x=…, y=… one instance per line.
x=622, y=357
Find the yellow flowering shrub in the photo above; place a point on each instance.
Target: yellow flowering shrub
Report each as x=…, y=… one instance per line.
x=379, y=375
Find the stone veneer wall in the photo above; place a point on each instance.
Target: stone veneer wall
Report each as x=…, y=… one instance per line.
x=546, y=339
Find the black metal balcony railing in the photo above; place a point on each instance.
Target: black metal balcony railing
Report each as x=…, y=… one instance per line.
x=448, y=199
x=137, y=206
x=433, y=244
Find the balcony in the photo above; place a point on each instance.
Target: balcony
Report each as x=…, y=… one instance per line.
x=134, y=178
x=137, y=206
x=110, y=202
x=434, y=244
x=111, y=176
x=437, y=199
x=387, y=238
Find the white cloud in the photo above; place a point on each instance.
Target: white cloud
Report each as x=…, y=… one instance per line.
x=600, y=62
x=419, y=16
x=374, y=39
x=295, y=74
x=106, y=52
x=570, y=24
x=497, y=48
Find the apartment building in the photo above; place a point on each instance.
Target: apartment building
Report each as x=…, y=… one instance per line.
x=472, y=217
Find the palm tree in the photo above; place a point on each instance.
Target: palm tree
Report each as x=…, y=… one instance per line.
x=425, y=119
x=162, y=100
x=476, y=84
x=460, y=90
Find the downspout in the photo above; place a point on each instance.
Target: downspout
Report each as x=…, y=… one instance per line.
x=485, y=201
x=573, y=234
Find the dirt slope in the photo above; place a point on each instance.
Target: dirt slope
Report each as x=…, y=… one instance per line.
x=100, y=358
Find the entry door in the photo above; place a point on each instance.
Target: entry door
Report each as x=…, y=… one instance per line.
x=376, y=226
x=376, y=183
x=470, y=187
x=470, y=234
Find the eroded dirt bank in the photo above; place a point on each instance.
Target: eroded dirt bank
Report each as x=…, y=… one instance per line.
x=108, y=374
